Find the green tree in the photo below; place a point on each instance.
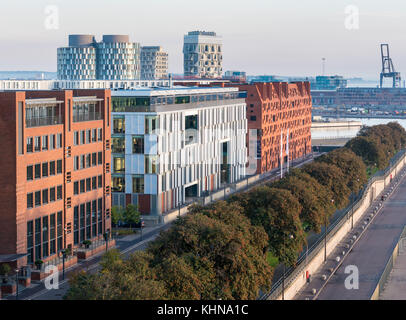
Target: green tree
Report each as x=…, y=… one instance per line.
x=332, y=178
x=117, y=214
x=132, y=215
x=234, y=249
x=277, y=211
x=352, y=166
x=370, y=150
x=314, y=198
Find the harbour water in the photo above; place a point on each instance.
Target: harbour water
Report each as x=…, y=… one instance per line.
x=350, y=132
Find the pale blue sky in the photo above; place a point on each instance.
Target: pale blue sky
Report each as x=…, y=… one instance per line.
x=286, y=37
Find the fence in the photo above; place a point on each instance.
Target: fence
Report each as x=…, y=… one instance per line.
x=388, y=267
x=293, y=272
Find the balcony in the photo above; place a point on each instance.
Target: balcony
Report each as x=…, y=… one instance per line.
x=43, y=121
x=87, y=117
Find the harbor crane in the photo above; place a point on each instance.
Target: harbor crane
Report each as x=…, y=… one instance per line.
x=388, y=70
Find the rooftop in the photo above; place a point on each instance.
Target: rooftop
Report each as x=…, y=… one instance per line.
x=163, y=91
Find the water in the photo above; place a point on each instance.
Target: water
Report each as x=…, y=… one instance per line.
x=332, y=133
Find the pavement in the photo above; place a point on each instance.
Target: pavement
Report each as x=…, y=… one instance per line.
x=368, y=247
x=395, y=288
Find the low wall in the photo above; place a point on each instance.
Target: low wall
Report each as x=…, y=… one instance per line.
x=297, y=279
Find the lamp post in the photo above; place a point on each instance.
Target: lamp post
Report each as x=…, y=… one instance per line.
x=16, y=270
x=352, y=210
x=325, y=235
x=284, y=267
x=63, y=263
x=106, y=238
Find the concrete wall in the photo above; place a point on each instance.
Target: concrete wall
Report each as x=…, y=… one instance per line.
x=293, y=286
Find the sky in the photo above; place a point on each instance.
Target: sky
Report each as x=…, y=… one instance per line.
x=279, y=37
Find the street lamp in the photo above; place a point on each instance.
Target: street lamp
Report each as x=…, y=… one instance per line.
x=16, y=270
x=106, y=238
x=284, y=267
x=325, y=234
x=352, y=210
x=63, y=263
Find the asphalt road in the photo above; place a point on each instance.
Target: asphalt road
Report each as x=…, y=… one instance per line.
x=369, y=254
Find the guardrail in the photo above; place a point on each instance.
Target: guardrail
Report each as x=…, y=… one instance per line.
x=292, y=273
x=388, y=268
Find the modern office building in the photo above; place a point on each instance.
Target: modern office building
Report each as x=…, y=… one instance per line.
x=114, y=58
x=278, y=110
x=78, y=60
x=118, y=58
x=172, y=145
x=154, y=63
x=55, y=177
x=202, y=55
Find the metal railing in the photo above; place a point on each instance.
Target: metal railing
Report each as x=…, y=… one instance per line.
x=292, y=273
x=87, y=116
x=43, y=121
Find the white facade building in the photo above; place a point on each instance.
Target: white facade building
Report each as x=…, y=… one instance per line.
x=202, y=55
x=114, y=58
x=172, y=145
x=154, y=63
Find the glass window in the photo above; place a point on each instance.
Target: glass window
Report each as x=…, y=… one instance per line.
x=37, y=196
x=30, y=173
x=151, y=163
x=119, y=164
x=45, y=169
x=52, y=168
x=45, y=196
x=100, y=181
x=38, y=171
x=138, y=144
x=76, y=138
x=37, y=145
x=150, y=124
x=88, y=184
x=29, y=144
x=44, y=142
x=59, y=141
x=52, y=194
x=59, y=193
x=82, y=137
x=94, y=159
x=52, y=142
x=138, y=184
x=94, y=183
x=94, y=135
x=76, y=187
x=59, y=166
x=118, y=145
x=118, y=183
x=29, y=200
x=82, y=186
x=100, y=134
x=100, y=157
x=118, y=125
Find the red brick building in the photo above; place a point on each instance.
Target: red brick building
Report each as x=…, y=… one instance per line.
x=272, y=109
x=55, y=171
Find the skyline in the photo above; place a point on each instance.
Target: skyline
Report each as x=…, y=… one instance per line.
x=264, y=37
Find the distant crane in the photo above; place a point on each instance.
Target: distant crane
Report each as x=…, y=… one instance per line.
x=388, y=70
